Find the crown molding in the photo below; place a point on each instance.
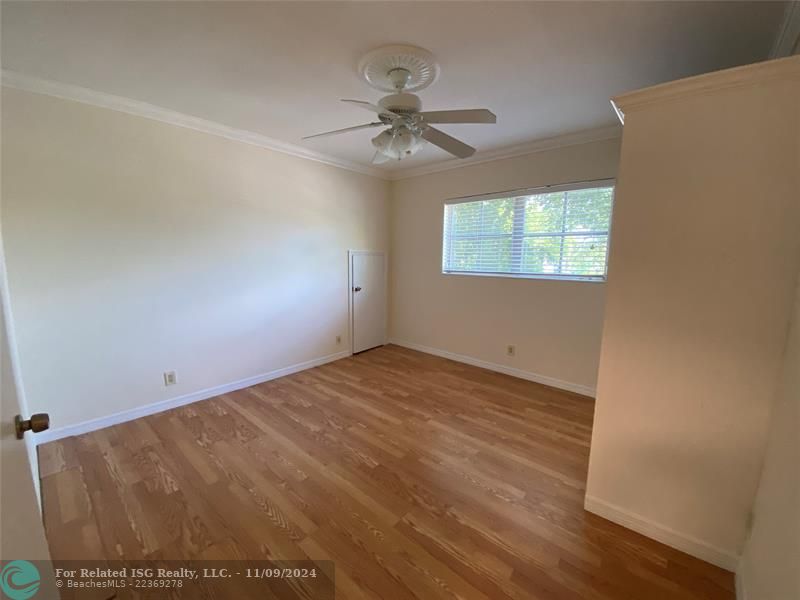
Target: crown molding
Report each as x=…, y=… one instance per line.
x=770, y=70
x=138, y=108
x=29, y=83
x=788, y=40
x=541, y=145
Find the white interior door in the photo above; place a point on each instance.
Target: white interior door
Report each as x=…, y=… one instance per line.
x=368, y=290
x=21, y=531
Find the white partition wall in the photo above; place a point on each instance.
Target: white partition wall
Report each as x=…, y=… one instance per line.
x=702, y=271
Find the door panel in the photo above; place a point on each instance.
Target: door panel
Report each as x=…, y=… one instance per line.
x=21, y=531
x=369, y=300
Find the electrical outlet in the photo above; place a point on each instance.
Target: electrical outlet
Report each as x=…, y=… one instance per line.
x=170, y=378
x=338, y=339
x=510, y=350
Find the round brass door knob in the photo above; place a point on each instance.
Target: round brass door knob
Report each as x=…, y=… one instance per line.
x=38, y=422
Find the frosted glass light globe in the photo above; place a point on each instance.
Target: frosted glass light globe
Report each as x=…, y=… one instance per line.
x=397, y=143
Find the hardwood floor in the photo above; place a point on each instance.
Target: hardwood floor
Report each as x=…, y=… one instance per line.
x=420, y=477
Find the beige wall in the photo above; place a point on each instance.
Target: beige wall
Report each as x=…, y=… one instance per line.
x=770, y=568
x=135, y=247
x=701, y=279
x=555, y=325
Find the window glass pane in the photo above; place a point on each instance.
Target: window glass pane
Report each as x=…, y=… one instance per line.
x=498, y=216
x=558, y=234
x=488, y=216
x=584, y=255
x=466, y=217
x=496, y=255
x=487, y=255
x=544, y=213
x=589, y=210
x=540, y=254
x=465, y=255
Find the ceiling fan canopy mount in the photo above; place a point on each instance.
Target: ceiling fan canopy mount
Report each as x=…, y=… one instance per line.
x=403, y=70
x=399, y=67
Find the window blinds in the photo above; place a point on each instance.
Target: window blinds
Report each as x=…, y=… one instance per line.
x=560, y=234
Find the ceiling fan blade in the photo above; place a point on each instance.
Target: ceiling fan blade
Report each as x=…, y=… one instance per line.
x=371, y=107
x=447, y=143
x=471, y=115
x=345, y=130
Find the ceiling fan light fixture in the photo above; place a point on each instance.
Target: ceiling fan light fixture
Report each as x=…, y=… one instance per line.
x=397, y=143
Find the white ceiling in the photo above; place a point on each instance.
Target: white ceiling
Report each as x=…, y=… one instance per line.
x=279, y=68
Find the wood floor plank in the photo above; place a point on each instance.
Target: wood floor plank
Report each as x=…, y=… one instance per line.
x=419, y=477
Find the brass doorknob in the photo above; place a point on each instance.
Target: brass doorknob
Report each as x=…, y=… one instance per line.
x=38, y=422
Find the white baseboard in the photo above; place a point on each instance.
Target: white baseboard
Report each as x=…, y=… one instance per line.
x=726, y=559
x=157, y=407
x=476, y=362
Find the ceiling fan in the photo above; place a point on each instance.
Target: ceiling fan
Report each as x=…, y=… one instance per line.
x=403, y=70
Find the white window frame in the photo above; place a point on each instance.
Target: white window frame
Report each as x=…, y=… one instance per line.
x=519, y=194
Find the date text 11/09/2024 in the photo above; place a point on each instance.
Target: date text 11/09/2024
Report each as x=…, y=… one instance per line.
x=184, y=573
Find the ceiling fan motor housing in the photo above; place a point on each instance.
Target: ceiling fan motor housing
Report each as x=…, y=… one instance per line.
x=402, y=104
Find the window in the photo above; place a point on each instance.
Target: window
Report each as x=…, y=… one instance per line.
x=559, y=232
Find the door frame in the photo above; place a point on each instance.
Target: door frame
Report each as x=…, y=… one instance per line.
x=350, y=309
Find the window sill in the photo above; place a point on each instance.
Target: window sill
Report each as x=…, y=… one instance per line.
x=572, y=278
